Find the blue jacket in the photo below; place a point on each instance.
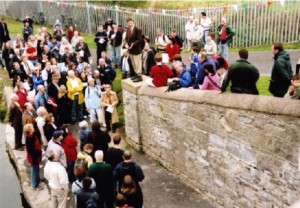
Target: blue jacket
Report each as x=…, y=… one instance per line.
x=40, y=100
x=92, y=98
x=185, y=78
x=37, y=81
x=194, y=65
x=201, y=73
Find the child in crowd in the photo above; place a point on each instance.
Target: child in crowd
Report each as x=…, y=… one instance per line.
x=194, y=61
x=294, y=90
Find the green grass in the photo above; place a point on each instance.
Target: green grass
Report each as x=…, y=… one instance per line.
x=118, y=89
x=262, y=86
x=15, y=27
x=266, y=47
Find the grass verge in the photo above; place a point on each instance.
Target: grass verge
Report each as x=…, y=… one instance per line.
x=4, y=81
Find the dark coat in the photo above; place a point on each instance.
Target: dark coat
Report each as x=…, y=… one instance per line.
x=102, y=174
x=86, y=50
x=136, y=40
x=108, y=72
x=117, y=41
x=148, y=62
x=281, y=74
x=99, y=140
x=100, y=46
x=52, y=91
x=3, y=29
x=48, y=131
x=15, y=116
x=83, y=195
x=33, y=149
x=243, y=77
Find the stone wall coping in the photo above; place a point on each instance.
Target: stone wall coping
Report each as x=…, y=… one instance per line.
x=265, y=104
x=131, y=86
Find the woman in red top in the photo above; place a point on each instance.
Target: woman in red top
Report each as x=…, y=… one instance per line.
x=69, y=144
x=31, y=53
x=159, y=73
x=34, y=155
x=172, y=49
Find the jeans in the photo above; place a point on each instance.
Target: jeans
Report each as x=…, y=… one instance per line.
x=35, y=176
x=116, y=54
x=204, y=37
x=223, y=48
x=76, y=110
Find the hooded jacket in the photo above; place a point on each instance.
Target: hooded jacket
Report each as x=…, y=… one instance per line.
x=281, y=74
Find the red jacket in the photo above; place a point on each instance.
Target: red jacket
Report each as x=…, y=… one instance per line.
x=171, y=51
x=33, y=149
x=22, y=98
x=69, y=145
x=160, y=75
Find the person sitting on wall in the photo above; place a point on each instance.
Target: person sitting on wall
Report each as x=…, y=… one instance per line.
x=243, y=76
x=159, y=73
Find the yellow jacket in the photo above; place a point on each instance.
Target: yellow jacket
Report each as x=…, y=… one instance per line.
x=72, y=91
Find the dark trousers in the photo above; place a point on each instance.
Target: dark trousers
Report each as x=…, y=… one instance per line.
x=108, y=124
x=18, y=137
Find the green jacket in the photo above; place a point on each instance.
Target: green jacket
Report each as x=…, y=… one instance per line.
x=229, y=31
x=281, y=74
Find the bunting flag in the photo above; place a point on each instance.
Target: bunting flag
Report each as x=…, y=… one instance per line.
x=269, y=3
x=225, y=9
x=257, y=5
x=235, y=7
x=185, y=12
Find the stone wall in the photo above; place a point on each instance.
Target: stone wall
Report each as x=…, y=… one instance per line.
x=238, y=150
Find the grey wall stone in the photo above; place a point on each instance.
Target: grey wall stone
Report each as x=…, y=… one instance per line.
x=237, y=150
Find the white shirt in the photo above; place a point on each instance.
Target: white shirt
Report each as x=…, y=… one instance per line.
x=196, y=33
x=188, y=28
x=56, y=175
x=59, y=150
x=161, y=41
x=205, y=23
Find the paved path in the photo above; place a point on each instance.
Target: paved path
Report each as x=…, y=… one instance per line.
x=263, y=60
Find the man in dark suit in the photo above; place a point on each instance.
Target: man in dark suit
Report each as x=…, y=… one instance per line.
x=134, y=42
x=15, y=120
x=4, y=33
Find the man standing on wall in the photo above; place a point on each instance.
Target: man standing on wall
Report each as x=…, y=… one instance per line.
x=133, y=42
x=281, y=72
x=225, y=37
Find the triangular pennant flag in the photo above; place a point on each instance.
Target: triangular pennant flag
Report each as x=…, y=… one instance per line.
x=235, y=7
x=257, y=5
x=163, y=11
x=269, y=3
x=282, y=2
x=246, y=6
x=225, y=9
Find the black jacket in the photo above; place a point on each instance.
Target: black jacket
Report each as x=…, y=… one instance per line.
x=243, y=77
x=3, y=29
x=117, y=41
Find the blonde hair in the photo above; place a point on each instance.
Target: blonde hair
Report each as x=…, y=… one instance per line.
x=28, y=128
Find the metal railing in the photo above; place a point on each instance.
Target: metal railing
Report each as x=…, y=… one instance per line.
x=255, y=23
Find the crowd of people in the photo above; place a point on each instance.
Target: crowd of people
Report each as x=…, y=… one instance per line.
x=55, y=85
